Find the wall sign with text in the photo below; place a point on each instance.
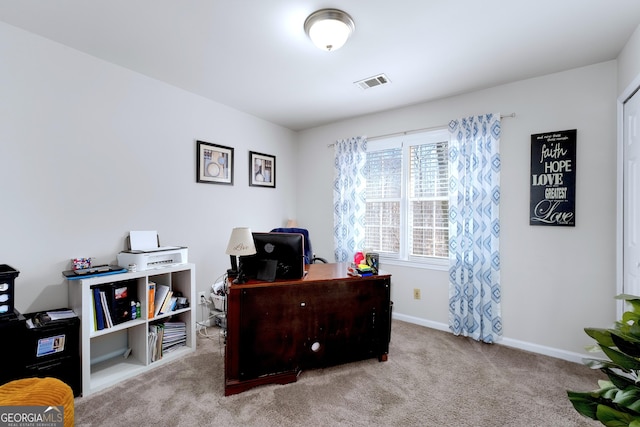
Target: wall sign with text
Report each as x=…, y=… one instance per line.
x=553, y=179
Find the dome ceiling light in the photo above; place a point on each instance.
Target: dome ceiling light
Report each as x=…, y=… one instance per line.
x=329, y=29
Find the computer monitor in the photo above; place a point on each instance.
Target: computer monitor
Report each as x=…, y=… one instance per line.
x=278, y=256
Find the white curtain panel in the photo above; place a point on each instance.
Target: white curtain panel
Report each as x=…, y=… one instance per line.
x=474, y=227
x=349, y=197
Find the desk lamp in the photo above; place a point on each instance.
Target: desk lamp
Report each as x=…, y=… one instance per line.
x=240, y=244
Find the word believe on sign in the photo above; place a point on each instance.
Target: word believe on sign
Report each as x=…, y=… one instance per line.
x=553, y=179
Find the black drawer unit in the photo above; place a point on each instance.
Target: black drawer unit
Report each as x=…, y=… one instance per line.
x=52, y=349
x=12, y=331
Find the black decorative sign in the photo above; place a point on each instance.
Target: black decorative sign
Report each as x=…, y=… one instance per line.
x=553, y=179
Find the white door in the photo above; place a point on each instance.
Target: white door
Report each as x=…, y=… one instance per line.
x=631, y=198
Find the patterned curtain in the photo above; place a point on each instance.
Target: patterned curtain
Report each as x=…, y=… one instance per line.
x=349, y=197
x=474, y=227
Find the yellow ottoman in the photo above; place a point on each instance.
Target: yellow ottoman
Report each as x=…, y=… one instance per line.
x=39, y=392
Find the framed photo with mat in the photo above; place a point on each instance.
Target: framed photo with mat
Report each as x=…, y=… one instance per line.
x=262, y=170
x=214, y=163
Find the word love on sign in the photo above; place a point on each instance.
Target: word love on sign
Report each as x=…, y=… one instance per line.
x=553, y=179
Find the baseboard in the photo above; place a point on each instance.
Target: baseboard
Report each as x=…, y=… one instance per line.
x=508, y=342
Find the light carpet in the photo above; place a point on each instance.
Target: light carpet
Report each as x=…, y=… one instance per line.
x=432, y=378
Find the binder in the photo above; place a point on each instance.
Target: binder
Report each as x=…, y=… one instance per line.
x=97, y=305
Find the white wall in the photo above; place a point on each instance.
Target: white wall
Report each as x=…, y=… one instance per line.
x=629, y=62
x=89, y=151
x=555, y=280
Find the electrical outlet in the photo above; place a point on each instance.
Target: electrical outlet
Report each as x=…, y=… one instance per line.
x=416, y=293
x=202, y=298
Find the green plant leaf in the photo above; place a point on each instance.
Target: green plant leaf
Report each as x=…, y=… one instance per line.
x=626, y=327
x=589, y=404
x=617, y=402
x=584, y=403
x=630, y=316
x=605, y=384
x=634, y=330
x=620, y=381
x=627, y=297
x=624, y=362
x=635, y=406
x=626, y=343
x=613, y=418
x=602, y=336
x=599, y=363
x=610, y=394
x=594, y=348
x=627, y=397
x=628, y=336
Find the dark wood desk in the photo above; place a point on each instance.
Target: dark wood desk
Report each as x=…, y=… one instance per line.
x=277, y=329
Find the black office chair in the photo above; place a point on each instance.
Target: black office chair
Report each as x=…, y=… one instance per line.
x=309, y=256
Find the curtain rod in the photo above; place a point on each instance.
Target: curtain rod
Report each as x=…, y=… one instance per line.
x=408, y=132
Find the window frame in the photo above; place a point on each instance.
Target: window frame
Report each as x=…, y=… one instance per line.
x=405, y=142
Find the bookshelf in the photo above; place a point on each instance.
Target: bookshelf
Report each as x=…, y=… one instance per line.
x=104, y=357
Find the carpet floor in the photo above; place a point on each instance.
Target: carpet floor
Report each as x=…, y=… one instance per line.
x=432, y=378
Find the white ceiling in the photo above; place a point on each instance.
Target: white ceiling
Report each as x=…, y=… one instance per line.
x=254, y=56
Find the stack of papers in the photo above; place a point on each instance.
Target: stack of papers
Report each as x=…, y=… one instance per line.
x=61, y=314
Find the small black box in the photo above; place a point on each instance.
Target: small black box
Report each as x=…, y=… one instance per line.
x=7, y=290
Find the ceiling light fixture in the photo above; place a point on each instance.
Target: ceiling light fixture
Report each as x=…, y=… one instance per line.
x=329, y=29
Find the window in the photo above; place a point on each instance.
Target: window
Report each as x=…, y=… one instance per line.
x=407, y=205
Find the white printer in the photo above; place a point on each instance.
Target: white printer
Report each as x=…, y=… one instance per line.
x=146, y=253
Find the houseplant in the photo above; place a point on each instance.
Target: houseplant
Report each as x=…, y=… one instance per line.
x=617, y=401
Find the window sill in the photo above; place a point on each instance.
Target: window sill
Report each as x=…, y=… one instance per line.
x=438, y=265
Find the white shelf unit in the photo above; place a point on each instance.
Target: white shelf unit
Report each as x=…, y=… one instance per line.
x=103, y=351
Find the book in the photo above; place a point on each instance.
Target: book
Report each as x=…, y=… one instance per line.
x=166, y=302
x=161, y=294
x=105, y=308
x=151, y=289
x=99, y=314
x=94, y=319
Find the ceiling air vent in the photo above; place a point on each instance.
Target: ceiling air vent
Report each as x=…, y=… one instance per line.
x=374, y=81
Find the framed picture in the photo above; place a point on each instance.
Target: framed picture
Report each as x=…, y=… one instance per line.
x=553, y=179
x=214, y=164
x=262, y=170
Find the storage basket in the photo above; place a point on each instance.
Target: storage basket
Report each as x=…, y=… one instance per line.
x=218, y=302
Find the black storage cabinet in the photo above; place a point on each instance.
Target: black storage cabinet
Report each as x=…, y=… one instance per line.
x=53, y=350
x=12, y=331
